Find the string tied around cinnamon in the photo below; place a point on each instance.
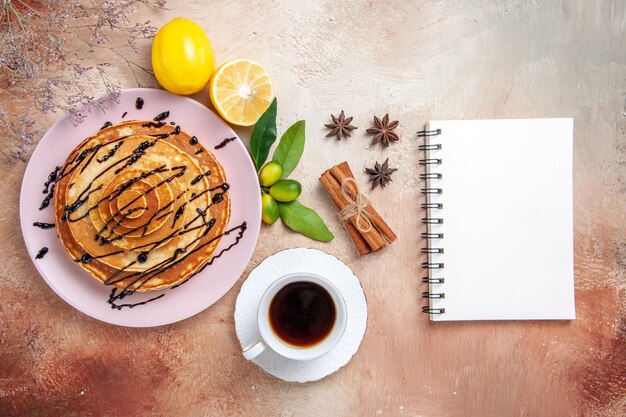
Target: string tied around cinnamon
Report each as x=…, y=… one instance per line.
x=356, y=206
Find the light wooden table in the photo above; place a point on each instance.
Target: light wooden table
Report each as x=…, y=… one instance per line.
x=415, y=60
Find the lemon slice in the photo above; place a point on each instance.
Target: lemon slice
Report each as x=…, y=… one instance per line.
x=241, y=91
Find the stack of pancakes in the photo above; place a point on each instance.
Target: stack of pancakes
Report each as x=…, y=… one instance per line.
x=141, y=205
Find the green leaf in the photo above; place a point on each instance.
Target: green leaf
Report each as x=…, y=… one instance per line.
x=290, y=148
x=304, y=220
x=263, y=135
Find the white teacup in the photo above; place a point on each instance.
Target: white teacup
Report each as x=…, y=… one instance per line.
x=269, y=339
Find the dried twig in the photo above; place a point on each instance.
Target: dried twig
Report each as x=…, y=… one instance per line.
x=42, y=72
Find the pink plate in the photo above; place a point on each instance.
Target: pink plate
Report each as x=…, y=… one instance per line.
x=85, y=293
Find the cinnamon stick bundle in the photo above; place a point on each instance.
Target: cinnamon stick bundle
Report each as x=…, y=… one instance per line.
x=340, y=185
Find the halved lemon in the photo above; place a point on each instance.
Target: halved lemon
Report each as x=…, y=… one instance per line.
x=241, y=91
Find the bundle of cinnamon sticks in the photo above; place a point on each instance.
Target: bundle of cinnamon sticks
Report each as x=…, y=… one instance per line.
x=367, y=229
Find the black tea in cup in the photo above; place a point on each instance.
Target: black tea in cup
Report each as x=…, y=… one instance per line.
x=302, y=313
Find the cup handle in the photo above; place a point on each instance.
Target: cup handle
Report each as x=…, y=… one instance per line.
x=252, y=351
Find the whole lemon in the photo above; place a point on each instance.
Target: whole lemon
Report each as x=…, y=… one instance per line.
x=182, y=57
x=269, y=212
x=270, y=173
x=286, y=190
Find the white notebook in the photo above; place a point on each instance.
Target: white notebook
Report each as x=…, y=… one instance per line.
x=499, y=219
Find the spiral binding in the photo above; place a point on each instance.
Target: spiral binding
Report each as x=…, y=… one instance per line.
x=431, y=235
x=431, y=161
x=428, y=310
x=427, y=294
x=432, y=250
x=432, y=265
x=427, y=280
x=432, y=205
x=428, y=191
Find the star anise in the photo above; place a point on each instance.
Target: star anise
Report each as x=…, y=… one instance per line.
x=383, y=131
x=380, y=174
x=340, y=126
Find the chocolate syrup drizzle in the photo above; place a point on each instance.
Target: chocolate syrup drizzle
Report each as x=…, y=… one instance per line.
x=121, y=295
x=46, y=201
x=148, y=274
x=42, y=252
x=225, y=142
x=153, y=124
x=48, y=187
x=110, y=153
x=52, y=178
x=106, y=234
x=124, y=115
x=178, y=213
x=242, y=229
x=162, y=116
x=139, y=103
x=199, y=177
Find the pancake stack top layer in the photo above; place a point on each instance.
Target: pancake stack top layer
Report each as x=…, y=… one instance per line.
x=141, y=205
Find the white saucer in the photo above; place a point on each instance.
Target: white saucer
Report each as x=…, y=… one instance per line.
x=301, y=260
